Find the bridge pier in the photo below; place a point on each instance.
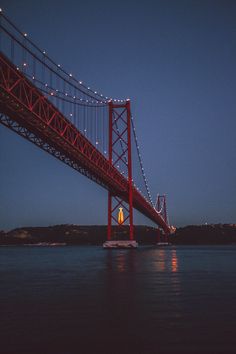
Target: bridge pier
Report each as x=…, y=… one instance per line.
x=162, y=238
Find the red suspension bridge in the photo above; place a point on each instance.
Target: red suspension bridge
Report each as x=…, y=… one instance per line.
x=88, y=131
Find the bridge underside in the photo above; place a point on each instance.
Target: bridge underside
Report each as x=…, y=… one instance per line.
x=46, y=146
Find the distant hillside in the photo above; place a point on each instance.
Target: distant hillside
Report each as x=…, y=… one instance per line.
x=96, y=235
x=205, y=234
x=73, y=235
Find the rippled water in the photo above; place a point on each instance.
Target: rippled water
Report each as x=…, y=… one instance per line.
x=89, y=300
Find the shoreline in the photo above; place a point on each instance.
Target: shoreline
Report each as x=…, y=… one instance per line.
x=62, y=235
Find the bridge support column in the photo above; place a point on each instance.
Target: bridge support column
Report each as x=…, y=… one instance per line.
x=120, y=157
x=163, y=238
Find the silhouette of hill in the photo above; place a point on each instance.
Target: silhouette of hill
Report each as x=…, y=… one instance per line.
x=96, y=235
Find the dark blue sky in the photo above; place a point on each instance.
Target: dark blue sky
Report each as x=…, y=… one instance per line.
x=176, y=61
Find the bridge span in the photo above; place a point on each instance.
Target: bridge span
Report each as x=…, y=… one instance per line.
x=45, y=105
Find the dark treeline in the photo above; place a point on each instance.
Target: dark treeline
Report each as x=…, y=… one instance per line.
x=96, y=235
x=218, y=234
x=73, y=235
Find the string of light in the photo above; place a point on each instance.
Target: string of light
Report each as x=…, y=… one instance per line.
x=56, y=93
x=141, y=162
x=70, y=79
x=162, y=206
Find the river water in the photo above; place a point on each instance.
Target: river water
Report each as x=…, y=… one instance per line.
x=76, y=299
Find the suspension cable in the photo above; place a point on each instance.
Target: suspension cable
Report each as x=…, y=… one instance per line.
x=81, y=86
x=141, y=162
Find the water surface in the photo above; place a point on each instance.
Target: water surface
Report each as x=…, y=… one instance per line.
x=75, y=299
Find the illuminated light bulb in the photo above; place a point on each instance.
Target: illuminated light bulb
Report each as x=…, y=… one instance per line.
x=105, y=152
x=24, y=64
x=46, y=85
x=17, y=68
x=25, y=34
x=85, y=130
x=58, y=65
x=95, y=92
x=66, y=94
x=88, y=88
x=80, y=82
x=81, y=99
x=51, y=93
x=70, y=75
x=44, y=52
x=0, y=10
x=33, y=77
x=56, y=90
x=96, y=142
x=71, y=114
x=74, y=97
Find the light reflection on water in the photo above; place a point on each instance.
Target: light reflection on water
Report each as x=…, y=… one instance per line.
x=150, y=300
x=174, y=261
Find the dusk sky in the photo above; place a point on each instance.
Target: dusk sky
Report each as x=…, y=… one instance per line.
x=176, y=61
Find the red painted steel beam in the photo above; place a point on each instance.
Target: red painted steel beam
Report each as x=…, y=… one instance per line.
x=25, y=104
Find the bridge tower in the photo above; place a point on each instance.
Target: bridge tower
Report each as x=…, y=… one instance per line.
x=120, y=157
x=161, y=207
